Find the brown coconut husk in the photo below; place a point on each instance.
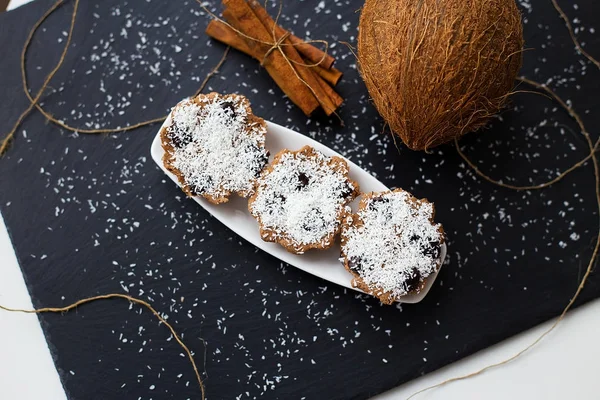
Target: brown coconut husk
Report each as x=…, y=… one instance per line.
x=439, y=69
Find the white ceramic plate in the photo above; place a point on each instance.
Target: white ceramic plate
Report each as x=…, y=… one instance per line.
x=235, y=215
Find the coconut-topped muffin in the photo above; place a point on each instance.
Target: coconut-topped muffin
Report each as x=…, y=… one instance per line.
x=391, y=244
x=301, y=199
x=215, y=146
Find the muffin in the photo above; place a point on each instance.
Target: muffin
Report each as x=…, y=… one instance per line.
x=301, y=199
x=215, y=146
x=391, y=245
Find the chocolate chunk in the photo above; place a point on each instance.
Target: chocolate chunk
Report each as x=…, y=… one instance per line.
x=202, y=188
x=354, y=263
x=347, y=190
x=302, y=181
x=377, y=200
x=412, y=281
x=380, y=199
x=179, y=139
x=262, y=157
x=432, y=249
x=229, y=108
x=314, y=222
x=274, y=203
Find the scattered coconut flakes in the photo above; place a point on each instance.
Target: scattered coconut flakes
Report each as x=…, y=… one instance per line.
x=391, y=240
x=222, y=153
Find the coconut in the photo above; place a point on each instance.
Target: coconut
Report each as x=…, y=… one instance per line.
x=437, y=69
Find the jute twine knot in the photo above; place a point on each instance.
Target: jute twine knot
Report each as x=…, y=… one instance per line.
x=276, y=46
x=277, y=43
x=34, y=101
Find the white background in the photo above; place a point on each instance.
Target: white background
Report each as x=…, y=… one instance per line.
x=564, y=366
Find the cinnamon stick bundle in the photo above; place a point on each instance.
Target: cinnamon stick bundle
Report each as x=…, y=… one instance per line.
x=304, y=72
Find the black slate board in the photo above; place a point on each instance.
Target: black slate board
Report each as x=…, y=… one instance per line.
x=93, y=214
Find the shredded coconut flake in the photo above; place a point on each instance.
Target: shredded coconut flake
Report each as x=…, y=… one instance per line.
x=303, y=197
x=215, y=148
x=397, y=246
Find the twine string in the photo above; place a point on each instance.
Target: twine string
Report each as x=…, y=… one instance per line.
x=34, y=101
x=572, y=34
x=276, y=46
x=9, y=137
x=593, y=148
x=590, y=266
x=562, y=103
x=287, y=34
x=572, y=113
x=140, y=302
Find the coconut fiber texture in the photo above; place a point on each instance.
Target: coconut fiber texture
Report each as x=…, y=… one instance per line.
x=93, y=214
x=439, y=69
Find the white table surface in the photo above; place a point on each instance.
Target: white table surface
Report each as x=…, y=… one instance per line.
x=563, y=366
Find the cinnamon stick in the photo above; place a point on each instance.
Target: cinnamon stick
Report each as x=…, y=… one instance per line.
x=331, y=75
x=223, y=33
x=241, y=16
x=335, y=98
x=309, y=76
x=219, y=31
x=311, y=53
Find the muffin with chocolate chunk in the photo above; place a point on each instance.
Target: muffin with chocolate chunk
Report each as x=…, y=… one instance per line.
x=391, y=245
x=301, y=199
x=215, y=146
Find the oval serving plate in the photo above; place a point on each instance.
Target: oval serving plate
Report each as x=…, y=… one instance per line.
x=235, y=215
